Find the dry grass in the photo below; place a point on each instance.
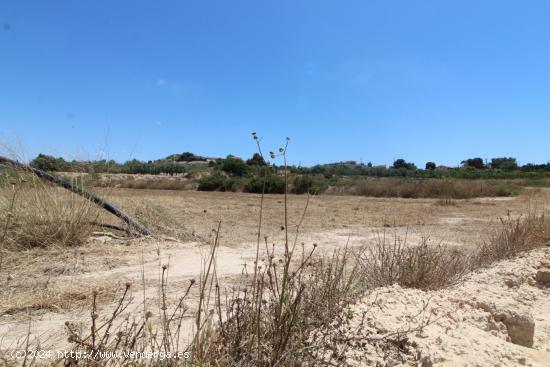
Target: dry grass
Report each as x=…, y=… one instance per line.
x=130, y=336
x=424, y=266
x=36, y=214
x=155, y=183
x=266, y=322
x=269, y=322
x=446, y=202
x=516, y=235
x=434, y=188
x=156, y=219
x=54, y=297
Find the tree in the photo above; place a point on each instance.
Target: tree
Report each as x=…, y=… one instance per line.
x=256, y=160
x=430, y=166
x=185, y=157
x=400, y=163
x=504, y=163
x=234, y=166
x=476, y=163
x=133, y=166
x=48, y=163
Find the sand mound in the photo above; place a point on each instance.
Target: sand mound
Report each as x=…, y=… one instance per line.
x=499, y=316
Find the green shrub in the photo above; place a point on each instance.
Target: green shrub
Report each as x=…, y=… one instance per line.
x=212, y=183
x=48, y=163
x=273, y=185
x=302, y=184
x=234, y=166
x=312, y=185
x=506, y=189
x=234, y=184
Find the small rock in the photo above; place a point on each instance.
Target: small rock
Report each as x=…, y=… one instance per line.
x=543, y=276
x=421, y=334
x=521, y=328
x=426, y=361
x=522, y=361
x=511, y=283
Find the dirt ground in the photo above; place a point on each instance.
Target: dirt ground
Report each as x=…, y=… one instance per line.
x=43, y=288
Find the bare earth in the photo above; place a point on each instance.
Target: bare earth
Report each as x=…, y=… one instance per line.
x=43, y=288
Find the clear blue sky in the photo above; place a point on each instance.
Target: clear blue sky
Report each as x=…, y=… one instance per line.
x=363, y=80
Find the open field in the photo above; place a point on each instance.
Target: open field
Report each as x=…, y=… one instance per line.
x=42, y=288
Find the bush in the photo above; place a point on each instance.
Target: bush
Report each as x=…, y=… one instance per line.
x=515, y=236
x=302, y=184
x=234, y=166
x=434, y=188
x=506, y=189
x=211, y=183
x=48, y=163
x=312, y=185
x=273, y=185
x=422, y=266
x=234, y=184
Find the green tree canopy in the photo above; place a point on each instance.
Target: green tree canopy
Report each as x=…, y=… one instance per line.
x=474, y=163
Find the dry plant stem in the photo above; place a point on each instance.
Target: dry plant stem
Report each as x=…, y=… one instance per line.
x=165, y=341
x=260, y=216
x=287, y=254
x=261, y=212
x=7, y=225
x=299, y=225
x=204, y=281
x=27, y=341
x=94, y=317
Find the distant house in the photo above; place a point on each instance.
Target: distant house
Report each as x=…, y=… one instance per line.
x=380, y=166
x=442, y=168
x=283, y=172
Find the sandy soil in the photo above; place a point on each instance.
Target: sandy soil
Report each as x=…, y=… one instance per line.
x=43, y=288
x=477, y=323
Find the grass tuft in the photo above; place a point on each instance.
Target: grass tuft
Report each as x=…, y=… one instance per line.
x=37, y=214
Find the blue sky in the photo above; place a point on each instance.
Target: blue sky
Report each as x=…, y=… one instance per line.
x=363, y=80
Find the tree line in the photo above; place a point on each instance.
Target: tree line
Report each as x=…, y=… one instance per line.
x=235, y=166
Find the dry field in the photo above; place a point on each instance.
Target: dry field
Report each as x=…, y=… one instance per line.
x=42, y=288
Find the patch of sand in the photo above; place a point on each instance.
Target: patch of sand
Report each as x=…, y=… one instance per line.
x=460, y=326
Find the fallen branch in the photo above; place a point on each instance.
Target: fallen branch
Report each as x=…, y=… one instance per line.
x=60, y=181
